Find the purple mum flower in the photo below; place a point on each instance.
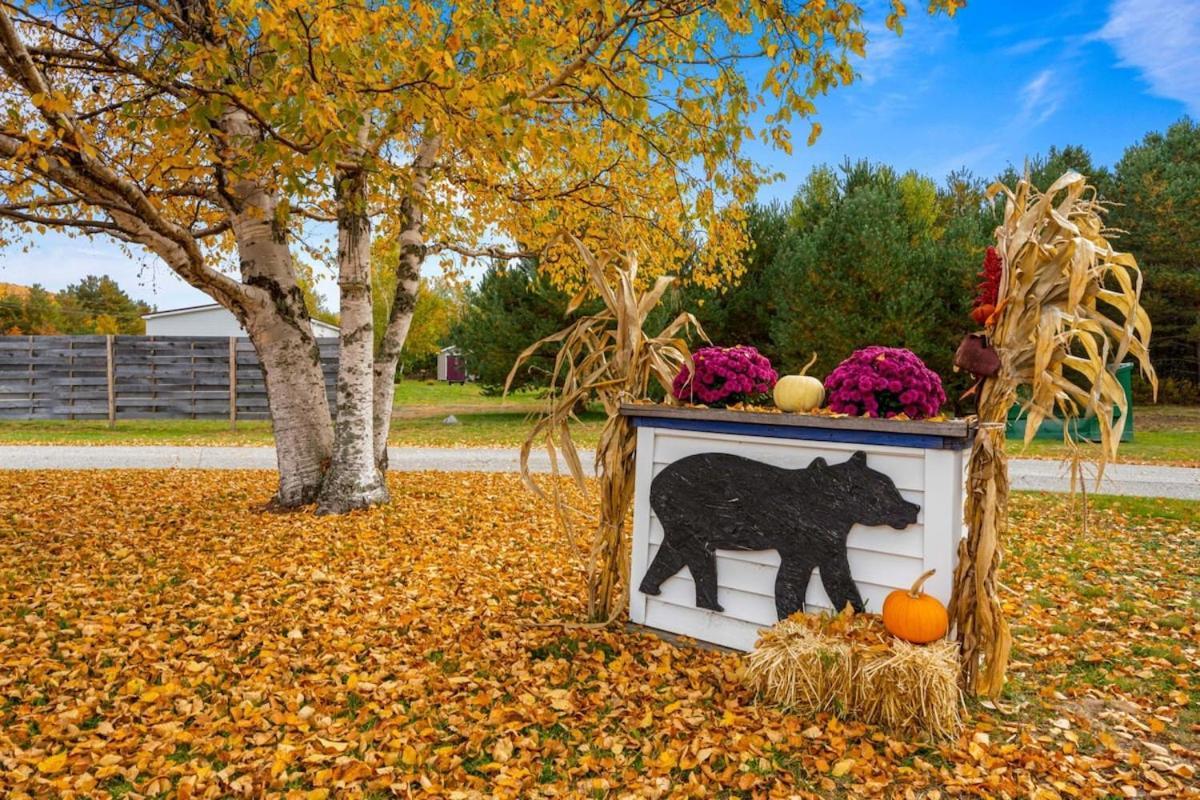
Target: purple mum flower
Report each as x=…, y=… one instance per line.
x=885, y=381
x=726, y=376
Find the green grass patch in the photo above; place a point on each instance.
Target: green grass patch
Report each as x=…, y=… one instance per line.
x=421, y=407
x=1167, y=434
x=1143, y=508
x=1162, y=434
x=1176, y=447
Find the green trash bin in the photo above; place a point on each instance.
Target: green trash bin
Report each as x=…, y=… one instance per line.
x=1086, y=429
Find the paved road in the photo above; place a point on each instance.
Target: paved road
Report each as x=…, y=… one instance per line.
x=1126, y=479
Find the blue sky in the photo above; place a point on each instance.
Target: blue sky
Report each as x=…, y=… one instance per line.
x=1000, y=81
x=1006, y=79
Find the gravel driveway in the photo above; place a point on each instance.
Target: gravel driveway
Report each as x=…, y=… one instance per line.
x=1125, y=479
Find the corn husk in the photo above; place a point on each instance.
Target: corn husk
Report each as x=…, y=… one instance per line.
x=609, y=356
x=1068, y=313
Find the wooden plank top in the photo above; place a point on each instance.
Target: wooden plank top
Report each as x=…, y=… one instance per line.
x=947, y=429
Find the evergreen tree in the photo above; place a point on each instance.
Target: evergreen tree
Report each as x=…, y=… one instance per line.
x=740, y=310
x=98, y=305
x=1158, y=195
x=877, y=260
x=512, y=307
x=1046, y=169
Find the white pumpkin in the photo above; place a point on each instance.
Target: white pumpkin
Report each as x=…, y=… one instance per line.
x=799, y=392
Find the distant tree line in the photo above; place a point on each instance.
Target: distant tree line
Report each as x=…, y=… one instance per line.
x=95, y=305
x=864, y=254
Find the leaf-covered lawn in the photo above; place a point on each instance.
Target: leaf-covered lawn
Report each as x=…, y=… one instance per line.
x=160, y=636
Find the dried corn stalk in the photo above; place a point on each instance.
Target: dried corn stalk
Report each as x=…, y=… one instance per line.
x=607, y=355
x=1068, y=313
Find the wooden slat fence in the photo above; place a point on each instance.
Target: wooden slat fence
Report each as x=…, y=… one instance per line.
x=137, y=377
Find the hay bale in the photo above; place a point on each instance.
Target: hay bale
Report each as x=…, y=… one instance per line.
x=801, y=669
x=911, y=688
x=851, y=666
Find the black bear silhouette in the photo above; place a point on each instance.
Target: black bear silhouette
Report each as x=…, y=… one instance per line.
x=716, y=501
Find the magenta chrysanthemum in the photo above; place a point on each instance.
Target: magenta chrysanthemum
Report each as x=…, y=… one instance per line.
x=884, y=382
x=725, y=376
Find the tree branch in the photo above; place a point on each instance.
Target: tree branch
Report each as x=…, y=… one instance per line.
x=491, y=251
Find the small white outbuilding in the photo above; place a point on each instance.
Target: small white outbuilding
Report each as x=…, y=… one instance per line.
x=451, y=365
x=210, y=320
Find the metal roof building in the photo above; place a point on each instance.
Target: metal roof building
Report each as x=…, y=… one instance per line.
x=210, y=320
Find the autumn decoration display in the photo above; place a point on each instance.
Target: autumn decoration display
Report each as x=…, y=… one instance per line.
x=851, y=666
x=725, y=376
x=799, y=392
x=914, y=616
x=1065, y=311
x=609, y=355
x=884, y=382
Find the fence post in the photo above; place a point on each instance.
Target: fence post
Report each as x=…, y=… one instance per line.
x=111, y=370
x=233, y=383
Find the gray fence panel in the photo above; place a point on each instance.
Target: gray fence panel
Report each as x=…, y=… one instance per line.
x=179, y=377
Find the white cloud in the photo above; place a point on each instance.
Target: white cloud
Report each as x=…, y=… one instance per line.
x=887, y=53
x=1026, y=46
x=1160, y=39
x=1037, y=100
x=1040, y=98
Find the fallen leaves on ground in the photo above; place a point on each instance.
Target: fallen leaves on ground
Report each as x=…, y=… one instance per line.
x=162, y=636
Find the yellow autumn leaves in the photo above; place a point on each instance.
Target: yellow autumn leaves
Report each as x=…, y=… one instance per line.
x=621, y=122
x=145, y=622
x=52, y=764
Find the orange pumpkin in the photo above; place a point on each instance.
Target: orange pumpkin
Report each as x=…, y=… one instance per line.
x=915, y=616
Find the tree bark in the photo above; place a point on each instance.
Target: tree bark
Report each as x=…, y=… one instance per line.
x=408, y=277
x=277, y=322
x=353, y=479
x=299, y=408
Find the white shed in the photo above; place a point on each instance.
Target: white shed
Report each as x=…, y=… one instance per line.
x=451, y=365
x=210, y=320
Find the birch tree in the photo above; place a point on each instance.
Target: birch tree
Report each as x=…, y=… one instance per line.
x=213, y=133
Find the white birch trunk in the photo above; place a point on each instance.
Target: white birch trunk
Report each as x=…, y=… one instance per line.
x=299, y=410
x=408, y=277
x=277, y=322
x=278, y=325
x=353, y=479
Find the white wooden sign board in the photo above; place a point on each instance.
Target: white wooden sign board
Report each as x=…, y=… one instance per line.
x=881, y=558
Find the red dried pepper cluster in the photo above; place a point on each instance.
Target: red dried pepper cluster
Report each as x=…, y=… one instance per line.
x=988, y=291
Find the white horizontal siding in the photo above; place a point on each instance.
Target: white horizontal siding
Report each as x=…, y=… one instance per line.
x=881, y=559
x=700, y=624
x=759, y=607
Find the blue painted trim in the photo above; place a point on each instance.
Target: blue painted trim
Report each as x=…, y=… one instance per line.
x=920, y=441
